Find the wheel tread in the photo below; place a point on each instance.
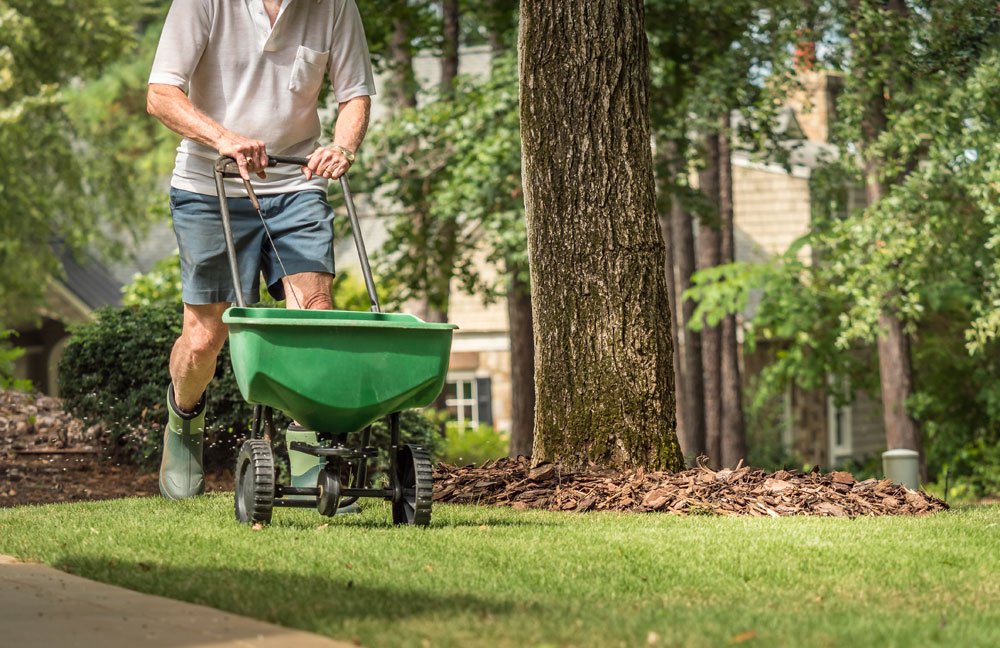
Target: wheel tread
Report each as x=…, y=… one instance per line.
x=258, y=453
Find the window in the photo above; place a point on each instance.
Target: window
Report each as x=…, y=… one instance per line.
x=841, y=435
x=469, y=400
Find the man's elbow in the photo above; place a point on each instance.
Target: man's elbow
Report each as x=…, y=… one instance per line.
x=364, y=102
x=152, y=103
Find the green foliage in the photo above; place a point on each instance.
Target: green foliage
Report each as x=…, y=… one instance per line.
x=452, y=170
x=464, y=445
x=67, y=150
x=925, y=250
x=8, y=356
x=161, y=285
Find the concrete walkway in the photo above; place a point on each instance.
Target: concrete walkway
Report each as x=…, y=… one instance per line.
x=41, y=607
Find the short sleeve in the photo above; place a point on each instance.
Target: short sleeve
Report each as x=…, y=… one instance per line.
x=350, y=63
x=182, y=42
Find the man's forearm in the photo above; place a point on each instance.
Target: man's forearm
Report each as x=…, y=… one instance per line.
x=172, y=107
x=352, y=123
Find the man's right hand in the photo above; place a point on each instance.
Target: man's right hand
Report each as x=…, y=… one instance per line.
x=171, y=106
x=250, y=155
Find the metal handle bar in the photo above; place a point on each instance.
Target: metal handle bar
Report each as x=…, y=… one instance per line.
x=221, y=171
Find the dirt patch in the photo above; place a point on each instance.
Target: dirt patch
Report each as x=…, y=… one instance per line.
x=47, y=456
x=743, y=491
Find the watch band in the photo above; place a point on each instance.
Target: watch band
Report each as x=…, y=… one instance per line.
x=348, y=153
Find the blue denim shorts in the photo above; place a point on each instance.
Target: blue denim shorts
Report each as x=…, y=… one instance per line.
x=301, y=227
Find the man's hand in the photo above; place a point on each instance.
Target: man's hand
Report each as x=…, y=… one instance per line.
x=250, y=155
x=171, y=106
x=326, y=161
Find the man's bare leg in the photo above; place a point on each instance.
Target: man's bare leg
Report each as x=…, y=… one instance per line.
x=192, y=365
x=192, y=361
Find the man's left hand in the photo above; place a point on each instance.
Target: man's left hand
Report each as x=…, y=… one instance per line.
x=328, y=162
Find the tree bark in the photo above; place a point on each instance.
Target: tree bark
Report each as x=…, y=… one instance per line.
x=692, y=373
x=734, y=446
x=449, y=53
x=522, y=367
x=403, y=87
x=439, y=279
x=709, y=255
x=603, y=369
x=669, y=270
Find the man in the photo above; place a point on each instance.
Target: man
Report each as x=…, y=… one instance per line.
x=252, y=71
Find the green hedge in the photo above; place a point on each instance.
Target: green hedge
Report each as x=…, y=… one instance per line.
x=115, y=371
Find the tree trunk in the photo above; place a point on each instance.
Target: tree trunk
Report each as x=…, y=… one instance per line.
x=439, y=277
x=734, y=446
x=895, y=365
x=692, y=373
x=669, y=270
x=604, y=373
x=449, y=53
x=522, y=367
x=403, y=86
x=709, y=255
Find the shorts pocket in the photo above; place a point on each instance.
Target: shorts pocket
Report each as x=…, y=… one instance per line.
x=308, y=70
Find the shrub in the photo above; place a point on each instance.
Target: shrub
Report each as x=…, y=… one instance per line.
x=464, y=445
x=8, y=357
x=115, y=371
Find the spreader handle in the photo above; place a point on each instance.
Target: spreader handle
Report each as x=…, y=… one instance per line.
x=221, y=164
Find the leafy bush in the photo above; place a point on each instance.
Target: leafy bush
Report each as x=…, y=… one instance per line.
x=8, y=356
x=115, y=371
x=464, y=445
x=161, y=285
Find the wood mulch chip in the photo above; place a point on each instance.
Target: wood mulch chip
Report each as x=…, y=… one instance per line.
x=701, y=490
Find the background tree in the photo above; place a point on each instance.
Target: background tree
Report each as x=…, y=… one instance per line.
x=922, y=249
x=61, y=188
x=711, y=59
x=604, y=374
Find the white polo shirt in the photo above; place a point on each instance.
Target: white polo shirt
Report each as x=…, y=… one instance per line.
x=258, y=81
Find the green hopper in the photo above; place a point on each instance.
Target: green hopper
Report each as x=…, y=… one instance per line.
x=334, y=372
x=337, y=371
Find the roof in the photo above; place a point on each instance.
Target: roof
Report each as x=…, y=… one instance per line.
x=88, y=279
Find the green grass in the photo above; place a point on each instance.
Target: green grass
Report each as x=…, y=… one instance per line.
x=497, y=577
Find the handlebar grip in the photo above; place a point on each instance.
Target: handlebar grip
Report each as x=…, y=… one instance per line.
x=272, y=160
x=275, y=160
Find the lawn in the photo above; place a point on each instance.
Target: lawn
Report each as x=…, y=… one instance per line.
x=498, y=577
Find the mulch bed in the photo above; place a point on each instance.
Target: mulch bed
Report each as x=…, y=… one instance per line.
x=700, y=490
x=47, y=456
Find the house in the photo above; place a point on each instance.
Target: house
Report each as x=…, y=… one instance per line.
x=86, y=285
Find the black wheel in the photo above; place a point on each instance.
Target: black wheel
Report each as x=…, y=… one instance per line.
x=329, y=490
x=413, y=477
x=254, y=482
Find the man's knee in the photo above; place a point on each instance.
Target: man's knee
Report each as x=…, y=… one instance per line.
x=204, y=334
x=312, y=289
x=318, y=301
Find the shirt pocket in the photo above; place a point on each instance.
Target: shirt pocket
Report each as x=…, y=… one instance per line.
x=308, y=70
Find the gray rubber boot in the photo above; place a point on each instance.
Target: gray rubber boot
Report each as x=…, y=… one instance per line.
x=305, y=467
x=182, y=473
